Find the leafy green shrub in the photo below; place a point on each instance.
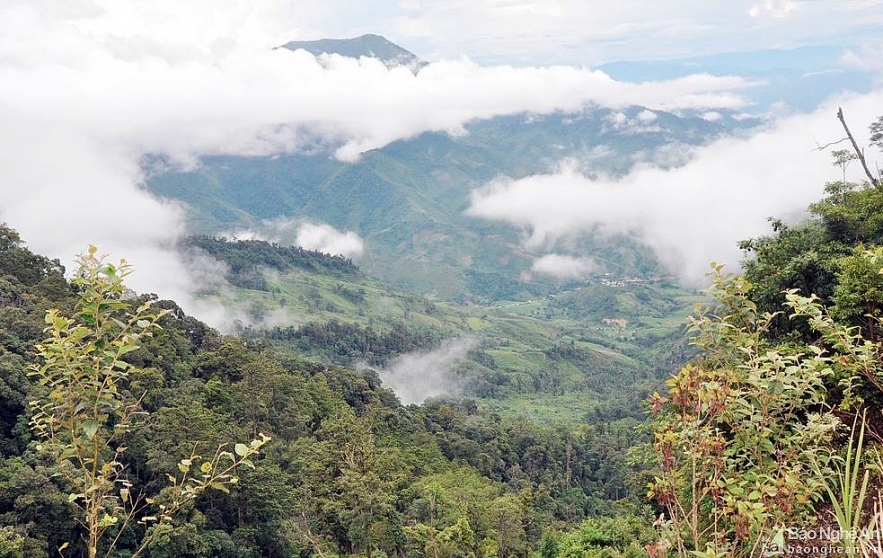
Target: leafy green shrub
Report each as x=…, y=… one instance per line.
x=85, y=410
x=735, y=435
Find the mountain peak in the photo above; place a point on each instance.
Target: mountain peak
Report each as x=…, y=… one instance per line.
x=369, y=45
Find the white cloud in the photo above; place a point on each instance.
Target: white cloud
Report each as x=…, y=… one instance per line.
x=690, y=215
x=639, y=124
x=774, y=8
x=417, y=376
x=868, y=56
x=312, y=236
x=326, y=238
x=646, y=116
x=563, y=267
x=617, y=120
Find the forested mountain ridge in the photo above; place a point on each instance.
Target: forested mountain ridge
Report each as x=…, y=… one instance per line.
x=349, y=470
x=408, y=200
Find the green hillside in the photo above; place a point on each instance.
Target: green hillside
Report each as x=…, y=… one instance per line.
x=125, y=428
x=612, y=342
x=407, y=200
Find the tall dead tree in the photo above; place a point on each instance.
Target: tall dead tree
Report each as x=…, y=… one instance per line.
x=860, y=153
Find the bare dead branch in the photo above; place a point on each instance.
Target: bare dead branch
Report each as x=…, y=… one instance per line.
x=858, y=151
x=827, y=145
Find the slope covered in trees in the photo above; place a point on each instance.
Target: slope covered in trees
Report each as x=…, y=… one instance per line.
x=605, y=345
x=348, y=469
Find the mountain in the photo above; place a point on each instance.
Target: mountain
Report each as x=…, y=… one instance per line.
x=344, y=468
x=407, y=200
x=370, y=46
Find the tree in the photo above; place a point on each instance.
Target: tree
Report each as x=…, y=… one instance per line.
x=85, y=411
x=808, y=256
x=858, y=297
x=859, y=153
x=19, y=262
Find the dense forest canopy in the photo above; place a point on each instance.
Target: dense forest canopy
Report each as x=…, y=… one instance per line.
x=348, y=469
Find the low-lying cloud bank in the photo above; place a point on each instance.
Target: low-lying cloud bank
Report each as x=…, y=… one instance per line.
x=326, y=238
x=693, y=214
x=83, y=98
x=417, y=376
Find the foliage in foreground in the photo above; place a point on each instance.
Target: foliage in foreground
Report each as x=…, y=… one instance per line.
x=746, y=436
x=85, y=412
x=737, y=432
x=349, y=471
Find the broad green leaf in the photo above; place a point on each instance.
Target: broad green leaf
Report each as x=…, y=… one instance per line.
x=90, y=427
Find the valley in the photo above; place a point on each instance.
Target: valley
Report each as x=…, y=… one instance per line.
x=610, y=342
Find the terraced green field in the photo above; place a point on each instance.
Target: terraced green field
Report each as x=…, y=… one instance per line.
x=594, y=350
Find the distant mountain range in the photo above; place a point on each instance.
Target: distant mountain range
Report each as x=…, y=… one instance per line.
x=407, y=200
x=370, y=46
